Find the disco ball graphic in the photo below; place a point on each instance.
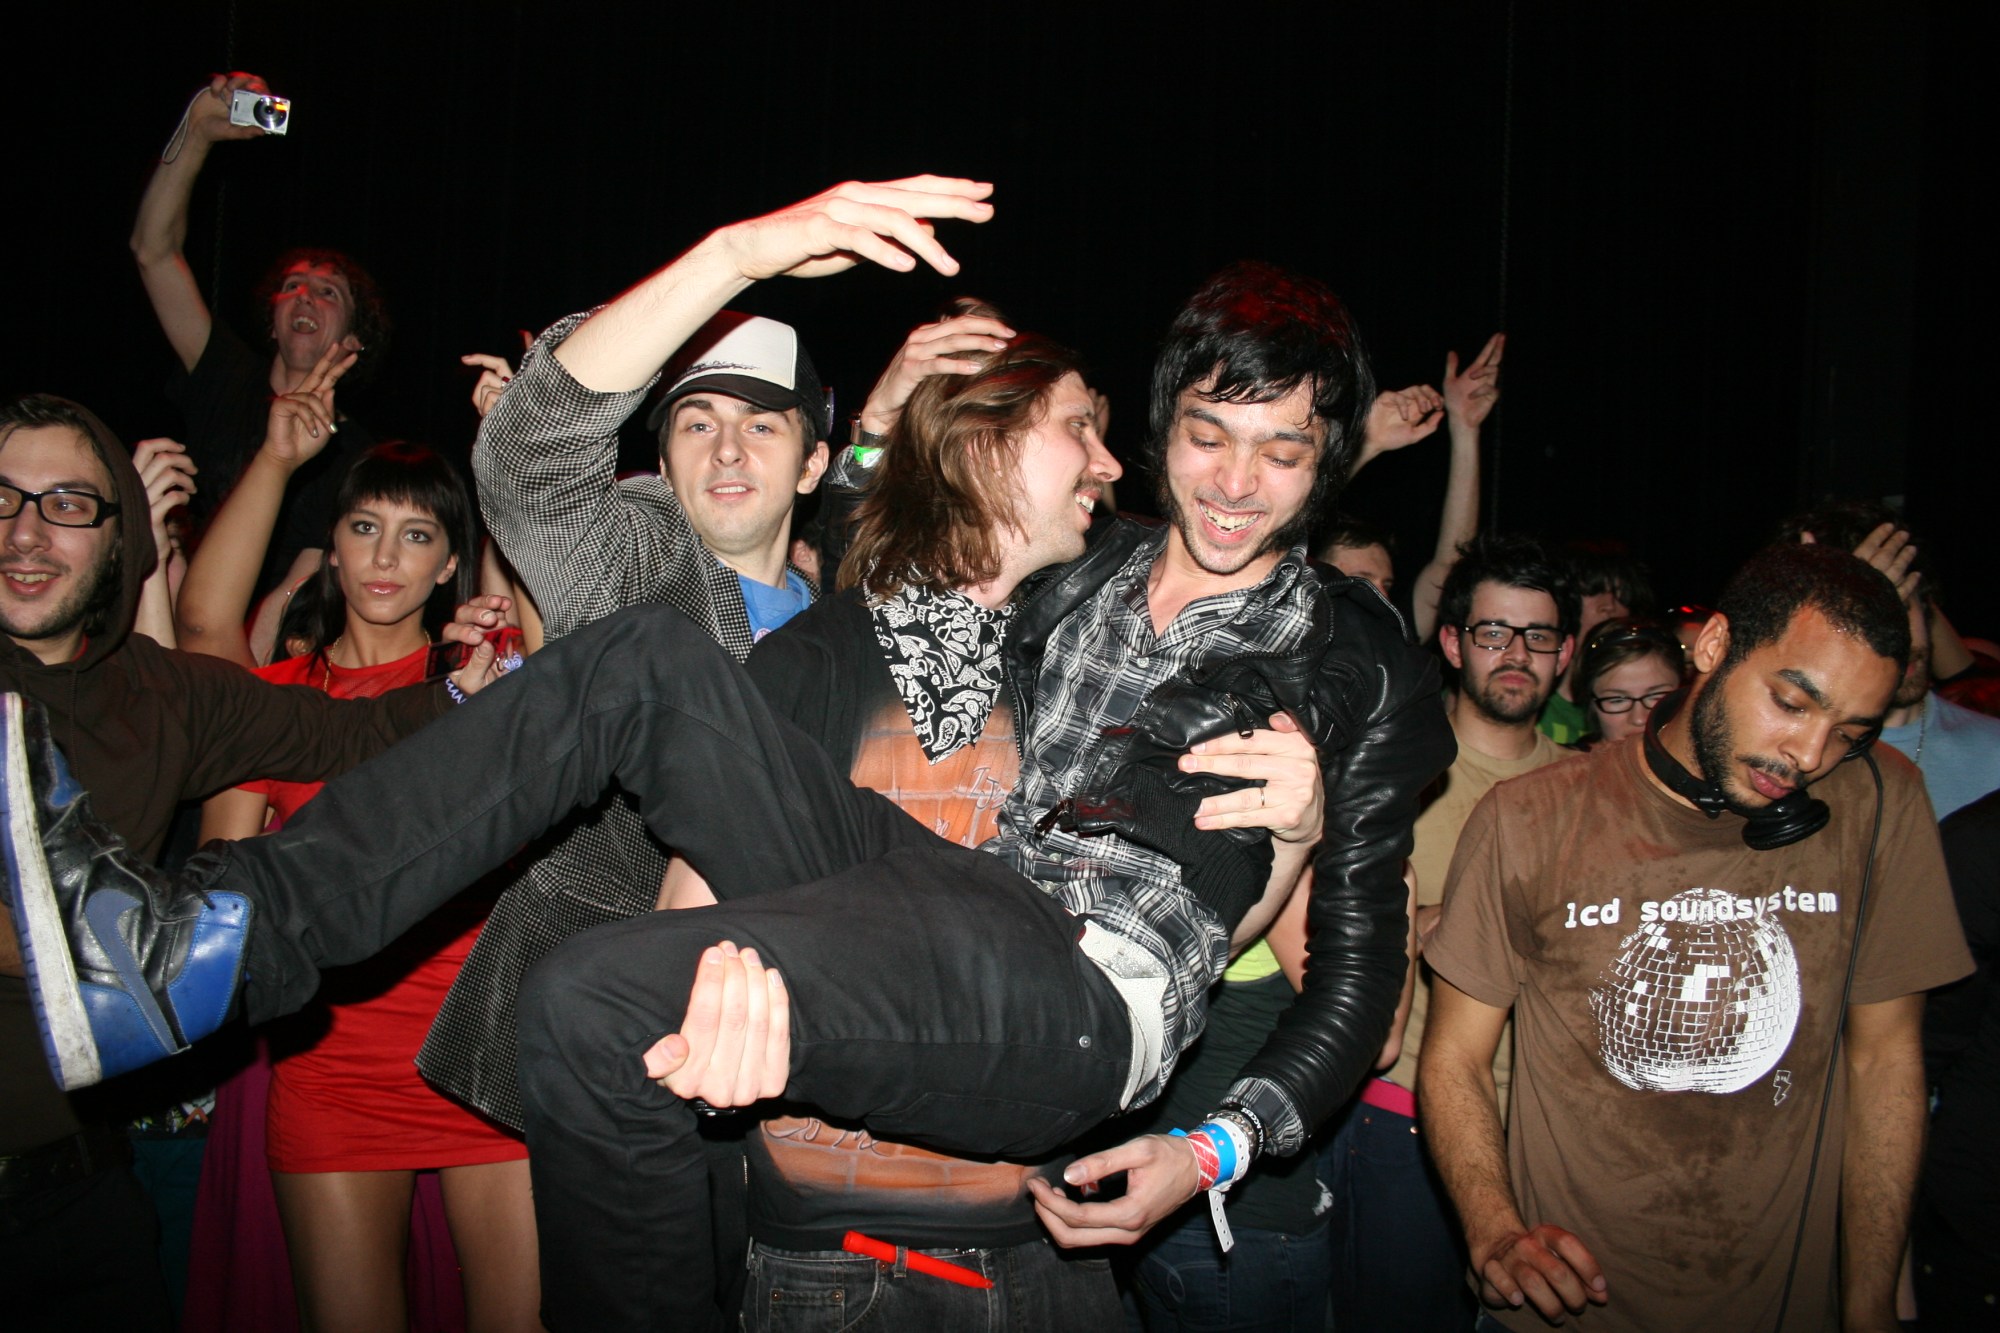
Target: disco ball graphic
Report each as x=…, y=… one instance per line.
x=1700, y=1002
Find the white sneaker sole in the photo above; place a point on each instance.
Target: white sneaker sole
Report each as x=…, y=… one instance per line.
x=53, y=987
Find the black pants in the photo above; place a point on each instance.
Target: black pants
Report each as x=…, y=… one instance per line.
x=936, y=995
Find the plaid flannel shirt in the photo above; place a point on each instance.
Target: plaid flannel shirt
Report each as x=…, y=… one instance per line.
x=1101, y=664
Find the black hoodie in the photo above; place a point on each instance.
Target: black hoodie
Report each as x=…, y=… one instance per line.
x=145, y=728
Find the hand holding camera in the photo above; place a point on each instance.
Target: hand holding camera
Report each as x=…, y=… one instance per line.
x=232, y=106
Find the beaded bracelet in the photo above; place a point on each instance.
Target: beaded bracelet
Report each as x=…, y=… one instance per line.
x=1248, y=1120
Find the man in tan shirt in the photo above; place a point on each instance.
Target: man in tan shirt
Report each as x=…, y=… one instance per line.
x=1507, y=623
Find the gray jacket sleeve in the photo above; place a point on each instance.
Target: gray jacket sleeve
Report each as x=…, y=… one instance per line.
x=584, y=542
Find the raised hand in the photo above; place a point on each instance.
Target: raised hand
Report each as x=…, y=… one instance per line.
x=168, y=475
x=302, y=421
x=1469, y=396
x=470, y=626
x=208, y=114
x=931, y=349
x=884, y=223
x=1397, y=419
x=1889, y=549
x=494, y=377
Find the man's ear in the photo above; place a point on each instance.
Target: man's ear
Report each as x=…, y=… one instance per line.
x=814, y=469
x=1451, y=647
x=1711, y=645
x=1567, y=652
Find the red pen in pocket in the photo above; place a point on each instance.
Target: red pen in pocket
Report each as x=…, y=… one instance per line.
x=883, y=1252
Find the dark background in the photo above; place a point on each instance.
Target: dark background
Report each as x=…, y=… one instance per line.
x=1735, y=248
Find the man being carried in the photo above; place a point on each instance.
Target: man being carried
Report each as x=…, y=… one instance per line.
x=990, y=1003
x=1715, y=945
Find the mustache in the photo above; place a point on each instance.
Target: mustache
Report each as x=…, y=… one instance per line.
x=1770, y=768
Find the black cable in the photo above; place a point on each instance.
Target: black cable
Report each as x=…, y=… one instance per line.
x=1833, y=1058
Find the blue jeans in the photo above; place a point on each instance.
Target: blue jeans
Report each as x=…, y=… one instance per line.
x=1398, y=1260
x=1035, y=1286
x=1269, y=1282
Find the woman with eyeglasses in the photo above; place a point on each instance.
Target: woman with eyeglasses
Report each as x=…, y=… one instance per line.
x=1626, y=668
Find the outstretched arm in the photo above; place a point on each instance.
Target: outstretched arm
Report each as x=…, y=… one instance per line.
x=624, y=345
x=160, y=232
x=1469, y=397
x=583, y=543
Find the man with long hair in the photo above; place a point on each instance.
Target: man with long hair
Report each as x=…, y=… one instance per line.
x=986, y=474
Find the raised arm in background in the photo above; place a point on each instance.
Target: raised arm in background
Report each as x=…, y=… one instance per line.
x=215, y=596
x=168, y=474
x=160, y=233
x=1469, y=396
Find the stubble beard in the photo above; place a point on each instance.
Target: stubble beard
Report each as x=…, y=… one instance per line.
x=1188, y=524
x=1715, y=747
x=84, y=601
x=1916, y=681
x=1508, y=709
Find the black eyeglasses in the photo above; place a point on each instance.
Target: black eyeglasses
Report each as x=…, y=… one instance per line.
x=65, y=509
x=1622, y=703
x=1495, y=635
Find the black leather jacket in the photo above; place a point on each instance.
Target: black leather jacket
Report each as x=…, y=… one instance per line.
x=1369, y=700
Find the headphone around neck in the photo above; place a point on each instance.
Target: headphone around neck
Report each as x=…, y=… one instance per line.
x=1779, y=824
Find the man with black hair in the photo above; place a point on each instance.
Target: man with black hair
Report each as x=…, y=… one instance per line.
x=996, y=1002
x=1362, y=550
x=1609, y=583
x=316, y=298
x=1507, y=625
x=1715, y=946
x=1956, y=749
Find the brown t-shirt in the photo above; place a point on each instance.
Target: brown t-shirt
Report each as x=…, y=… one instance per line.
x=1447, y=806
x=1675, y=999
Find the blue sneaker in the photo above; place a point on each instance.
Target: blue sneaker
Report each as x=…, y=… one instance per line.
x=125, y=964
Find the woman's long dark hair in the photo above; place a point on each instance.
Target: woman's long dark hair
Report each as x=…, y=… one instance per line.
x=407, y=474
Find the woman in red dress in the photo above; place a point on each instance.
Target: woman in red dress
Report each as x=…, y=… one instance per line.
x=351, y=1121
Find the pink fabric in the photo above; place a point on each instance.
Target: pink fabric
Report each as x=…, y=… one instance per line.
x=239, y=1276
x=1391, y=1097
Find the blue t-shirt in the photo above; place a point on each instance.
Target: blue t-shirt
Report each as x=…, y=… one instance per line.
x=1959, y=753
x=770, y=607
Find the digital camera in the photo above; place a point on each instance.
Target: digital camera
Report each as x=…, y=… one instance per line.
x=267, y=111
